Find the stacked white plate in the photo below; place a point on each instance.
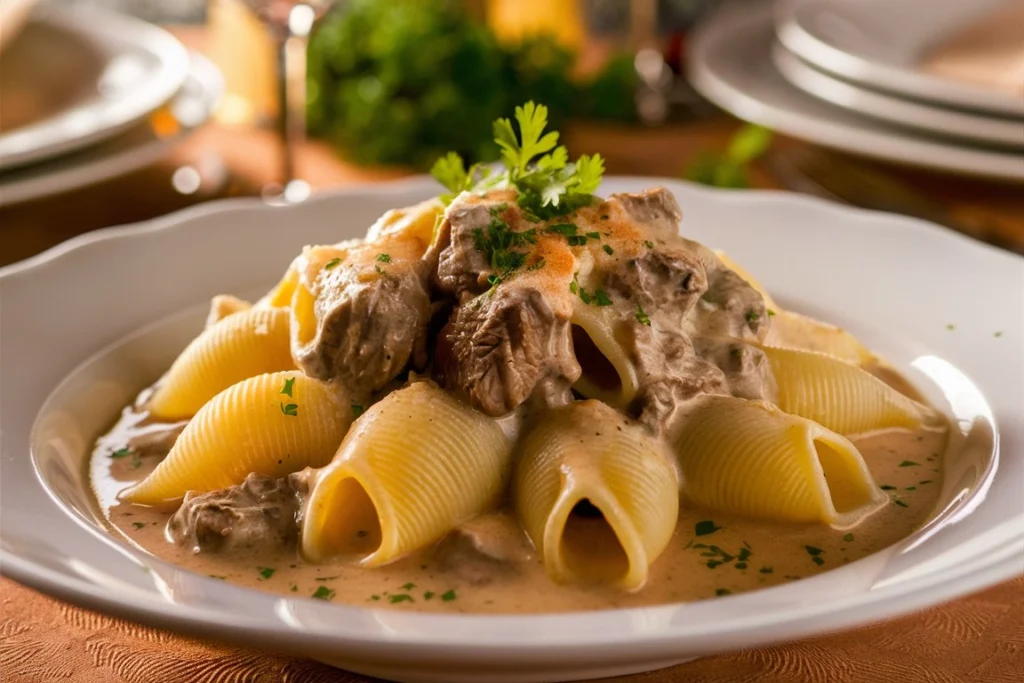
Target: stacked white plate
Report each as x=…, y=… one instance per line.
x=89, y=95
x=870, y=77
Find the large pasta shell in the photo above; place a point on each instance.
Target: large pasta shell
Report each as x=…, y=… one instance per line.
x=242, y=345
x=418, y=463
x=272, y=424
x=840, y=396
x=795, y=331
x=750, y=458
x=598, y=497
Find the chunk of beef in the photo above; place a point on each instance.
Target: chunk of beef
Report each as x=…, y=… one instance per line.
x=484, y=549
x=667, y=281
x=730, y=308
x=155, y=439
x=656, y=209
x=670, y=374
x=463, y=267
x=370, y=319
x=504, y=347
x=259, y=514
x=748, y=373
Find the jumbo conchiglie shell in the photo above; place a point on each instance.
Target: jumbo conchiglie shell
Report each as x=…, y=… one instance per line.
x=414, y=466
x=242, y=345
x=596, y=494
x=795, y=331
x=272, y=424
x=840, y=396
x=749, y=458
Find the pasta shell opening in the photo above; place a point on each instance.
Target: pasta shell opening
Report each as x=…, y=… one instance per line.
x=847, y=486
x=349, y=521
x=601, y=377
x=303, y=315
x=590, y=546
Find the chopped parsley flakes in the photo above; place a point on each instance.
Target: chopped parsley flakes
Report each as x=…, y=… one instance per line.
x=333, y=263
x=266, y=572
x=448, y=596
x=288, y=385
x=384, y=258
x=357, y=410
x=291, y=410
x=705, y=527
x=608, y=249
x=641, y=316
x=121, y=453
x=400, y=597
x=323, y=593
x=815, y=554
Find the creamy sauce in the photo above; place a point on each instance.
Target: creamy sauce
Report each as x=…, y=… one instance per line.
x=730, y=554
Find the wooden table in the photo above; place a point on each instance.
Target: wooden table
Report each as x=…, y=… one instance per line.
x=978, y=638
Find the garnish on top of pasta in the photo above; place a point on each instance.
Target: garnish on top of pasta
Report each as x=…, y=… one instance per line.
x=517, y=349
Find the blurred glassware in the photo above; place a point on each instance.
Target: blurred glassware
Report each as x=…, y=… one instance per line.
x=289, y=23
x=514, y=20
x=242, y=48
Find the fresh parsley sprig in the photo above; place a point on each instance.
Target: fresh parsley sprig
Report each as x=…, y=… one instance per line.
x=549, y=185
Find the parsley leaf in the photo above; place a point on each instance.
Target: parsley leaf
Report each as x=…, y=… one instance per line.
x=266, y=572
x=288, y=384
x=333, y=263
x=291, y=410
x=448, y=596
x=323, y=593
x=384, y=258
x=601, y=298
x=121, y=453
x=535, y=165
x=518, y=153
x=705, y=527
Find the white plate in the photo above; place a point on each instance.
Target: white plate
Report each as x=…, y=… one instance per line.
x=917, y=115
x=119, y=68
x=76, y=318
x=880, y=43
x=133, y=149
x=730, y=64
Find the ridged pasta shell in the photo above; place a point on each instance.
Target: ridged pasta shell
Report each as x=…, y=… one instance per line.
x=795, y=331
x=242, y=345
x=840, y=396
x=587, y=459
x=414, y=466
x=253, y=426
x=608, y=374
x=750, y=458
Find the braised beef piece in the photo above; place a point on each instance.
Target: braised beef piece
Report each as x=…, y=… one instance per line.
x=668, y=280
x=156, y=439
x=259, y=514
x=746, y=369
x=484, y=549
x=503, y=347
x=670, y=374
x=729, y=308
x=656, y=209
x=462, y=269
x=370, y=325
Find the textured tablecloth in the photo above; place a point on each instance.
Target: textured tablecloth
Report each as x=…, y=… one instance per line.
x=977, y=639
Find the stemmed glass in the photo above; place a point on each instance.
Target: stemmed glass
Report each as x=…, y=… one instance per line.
x=290, y=23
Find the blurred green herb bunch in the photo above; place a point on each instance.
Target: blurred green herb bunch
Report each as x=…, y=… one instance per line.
x=404, y=81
